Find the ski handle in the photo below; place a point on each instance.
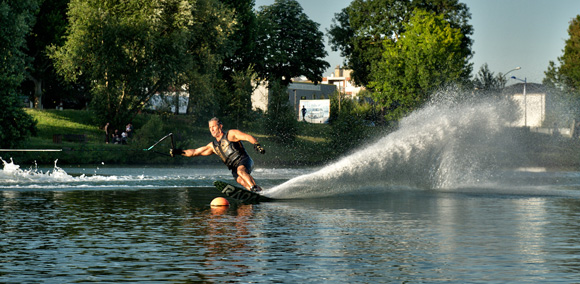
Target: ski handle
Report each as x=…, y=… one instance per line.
x=164, y=137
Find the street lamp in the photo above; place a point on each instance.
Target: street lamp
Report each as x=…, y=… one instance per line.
x=504, y=75
x=517, y=68
x=525, y=80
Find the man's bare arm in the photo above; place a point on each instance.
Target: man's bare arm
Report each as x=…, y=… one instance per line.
x=201, y=151
x=235, y=135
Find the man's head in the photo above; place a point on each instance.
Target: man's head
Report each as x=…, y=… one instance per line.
x=215, y=127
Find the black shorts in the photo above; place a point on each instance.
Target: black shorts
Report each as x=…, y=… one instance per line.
x=245, y=161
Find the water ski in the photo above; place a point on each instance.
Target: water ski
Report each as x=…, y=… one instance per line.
x=240, y=194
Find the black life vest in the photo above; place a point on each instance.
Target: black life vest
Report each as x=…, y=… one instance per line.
x=229, y=152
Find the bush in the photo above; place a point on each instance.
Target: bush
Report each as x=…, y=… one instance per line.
x=281, y=121
x=15, y=124
x=348, y=131
x=352, y=124
x=152, y=130
x=282, y=126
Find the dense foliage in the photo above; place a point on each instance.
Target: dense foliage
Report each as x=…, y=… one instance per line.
x=43, y=85
x=427, y=55
x=402, y=50
x=566, y=77
x=213, y=23
x=352, y=125
x=288, y=44
x=281, y=120
x=360, y=29
x=128, y=50
x=16, y=19
x=485, y=83
x=237, y=67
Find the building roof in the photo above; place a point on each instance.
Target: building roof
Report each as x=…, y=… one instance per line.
x=531, y=88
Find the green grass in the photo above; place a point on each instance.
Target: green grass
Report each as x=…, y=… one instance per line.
x=51, y=122
x=309, y=148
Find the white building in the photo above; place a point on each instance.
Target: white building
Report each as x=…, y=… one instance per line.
x=532, y=106
x=260, y=95
x=297, y=91
x=342, y=80
x=166, y=101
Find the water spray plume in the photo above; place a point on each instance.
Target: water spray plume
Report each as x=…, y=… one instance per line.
x=451, y=142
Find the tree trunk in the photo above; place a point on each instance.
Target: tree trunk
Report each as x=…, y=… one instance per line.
x=176, y=100
x=37, y=93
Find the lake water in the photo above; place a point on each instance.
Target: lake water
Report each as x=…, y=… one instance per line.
x=447, y=198
x=82, y=225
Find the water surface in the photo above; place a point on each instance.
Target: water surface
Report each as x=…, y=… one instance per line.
x=98, y=228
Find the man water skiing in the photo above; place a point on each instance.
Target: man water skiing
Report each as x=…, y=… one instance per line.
x=228, y=146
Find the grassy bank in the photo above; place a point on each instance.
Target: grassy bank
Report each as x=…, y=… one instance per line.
x=310, y=148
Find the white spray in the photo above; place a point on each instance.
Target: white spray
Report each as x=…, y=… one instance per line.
x=444, y=145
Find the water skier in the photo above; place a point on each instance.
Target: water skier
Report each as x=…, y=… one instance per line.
x=228, y=146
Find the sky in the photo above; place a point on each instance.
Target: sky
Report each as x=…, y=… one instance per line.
x=507, y=33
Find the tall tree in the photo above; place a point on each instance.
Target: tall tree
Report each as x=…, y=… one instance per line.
x=48, y=30
x=131, y=50
x=566, y=76
x=242, y=39
x=237, y=67
x=288, y=44
x=359, y=30
x=16, y=20
x=428, y=55
x=553, y=77
x=208, y=46
x=239, y=104
x=485, y=83
x=281, y=121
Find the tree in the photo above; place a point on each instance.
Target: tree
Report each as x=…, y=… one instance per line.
x=240, y=101
x=486, y=83
x=131, y=50
x=16, y=20
x=570, y=60
x=359, y=30
x=48, y=30
x=288, y=44
x=427, y=56
x=208, y=46
x=566, y=77
x=237, y=68
x=554, y=78
x=281, y=121
x=348, y=126
x=242, y=39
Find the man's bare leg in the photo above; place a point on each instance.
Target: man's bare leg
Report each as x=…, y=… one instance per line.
x=245, y=179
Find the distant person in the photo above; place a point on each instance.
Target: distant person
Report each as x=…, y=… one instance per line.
x=107, y=134
x=555, y=131
x=116, y=137
x=129, y=130
x=228, y=146
x=124, y=138
x=303, y=113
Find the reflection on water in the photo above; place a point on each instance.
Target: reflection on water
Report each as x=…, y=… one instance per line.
x=174, y=235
